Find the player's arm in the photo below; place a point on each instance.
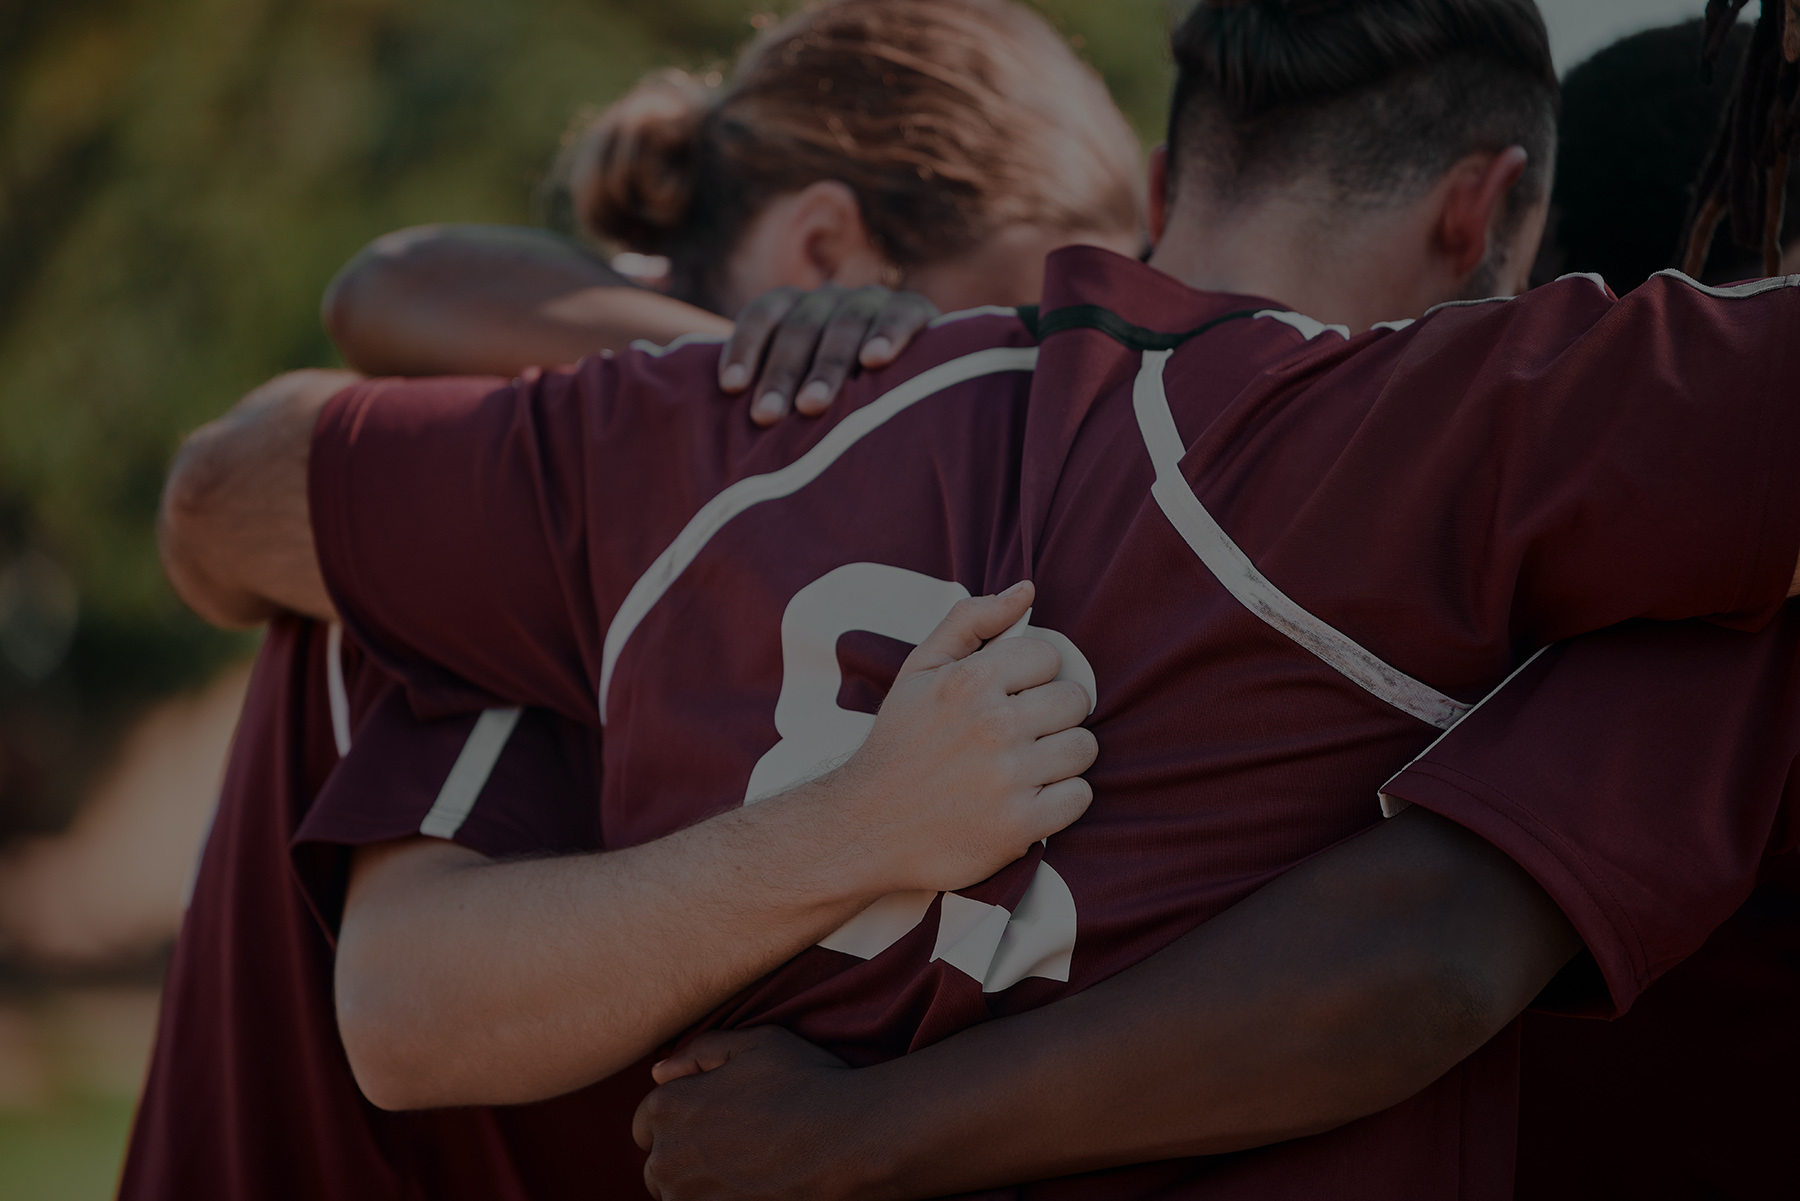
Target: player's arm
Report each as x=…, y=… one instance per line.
x=462, y=980
x=491, y=300
x=234, y=527
x=496, y=299
x=1338, y=990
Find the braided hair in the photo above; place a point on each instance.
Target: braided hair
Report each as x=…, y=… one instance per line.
x=1746, y=170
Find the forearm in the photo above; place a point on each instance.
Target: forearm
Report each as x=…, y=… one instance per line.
x=476, y=982
x=1337, y=991
x=491, y=300
x=461, y=981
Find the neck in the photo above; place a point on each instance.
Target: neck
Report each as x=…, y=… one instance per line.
x=1338, y=266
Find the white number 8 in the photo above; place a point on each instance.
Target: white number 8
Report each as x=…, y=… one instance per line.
x=985, y=941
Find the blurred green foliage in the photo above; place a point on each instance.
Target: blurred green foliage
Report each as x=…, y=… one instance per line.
x=178, y=181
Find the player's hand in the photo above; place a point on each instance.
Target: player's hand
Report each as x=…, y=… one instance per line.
x=799, y=347
x=755, y=1114
x=976, y=754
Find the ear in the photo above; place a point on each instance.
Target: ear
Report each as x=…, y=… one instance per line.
x=1159, y=191
x=1474, y=192
x=825, y=239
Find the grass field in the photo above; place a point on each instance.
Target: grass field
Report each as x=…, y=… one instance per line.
x=67, y=1151
x=71, y=1063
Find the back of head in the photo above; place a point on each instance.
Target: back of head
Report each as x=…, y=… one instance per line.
x=949, y=119
x=1637, y=119
x=1375, y=98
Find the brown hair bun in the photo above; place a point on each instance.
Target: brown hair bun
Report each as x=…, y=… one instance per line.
x=949, y=120
x=632, y=172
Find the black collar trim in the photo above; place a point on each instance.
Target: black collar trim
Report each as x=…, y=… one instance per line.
x=1092, y=316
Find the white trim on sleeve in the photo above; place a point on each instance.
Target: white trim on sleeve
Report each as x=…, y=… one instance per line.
x=1391, y=805
x=1755, y=287
x=469, y=774
x=335, y=691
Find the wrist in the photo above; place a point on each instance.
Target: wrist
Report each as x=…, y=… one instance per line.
x=880, y=1135
x=824, y=837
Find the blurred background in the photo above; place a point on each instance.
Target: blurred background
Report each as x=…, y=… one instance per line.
x=178, y=181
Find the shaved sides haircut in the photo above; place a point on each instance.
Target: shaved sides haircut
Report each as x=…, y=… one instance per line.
x=1375, y=98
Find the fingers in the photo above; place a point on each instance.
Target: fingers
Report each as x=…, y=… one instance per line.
x=682, y=1063
x=709, y=1051
x=1051, y=708
x=755, y=325
x=791, y=351
x=820, y=337
x=900, y=319
x=643, y=1122
x=1064, y=755
x=837, y=351
x=970, y=623
x=1060, y=804
x=1014, y=665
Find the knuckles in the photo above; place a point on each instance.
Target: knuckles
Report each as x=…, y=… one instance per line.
x=966, y=681
x=778, y=301
x=998, y=726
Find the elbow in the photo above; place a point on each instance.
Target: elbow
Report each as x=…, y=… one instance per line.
x=395, y=1063
x=359, y=302
x=1457, y=1011
x=350, y=302
x=185, y=534
x=389, y=1078
x=1428, y=1013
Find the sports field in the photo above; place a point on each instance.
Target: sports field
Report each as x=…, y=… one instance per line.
x=70, y=1065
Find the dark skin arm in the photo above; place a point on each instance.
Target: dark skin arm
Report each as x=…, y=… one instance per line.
x=496, y=299
x=234, y=527
x=491, y=300
x=1338, y=990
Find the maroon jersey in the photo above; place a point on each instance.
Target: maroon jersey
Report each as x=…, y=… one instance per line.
x=1283, y=559
x=250, y=1097
x=1655, y=799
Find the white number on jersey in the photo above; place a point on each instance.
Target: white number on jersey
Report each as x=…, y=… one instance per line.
x=985, y=941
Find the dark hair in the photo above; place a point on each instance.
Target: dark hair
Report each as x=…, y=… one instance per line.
x=1636, y=120
x=1383, y=96
x=948, y=118
x=1745, y=175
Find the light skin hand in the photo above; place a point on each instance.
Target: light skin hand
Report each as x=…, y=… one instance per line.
x=1004, y=768
x=808, y=343
x=464, y=981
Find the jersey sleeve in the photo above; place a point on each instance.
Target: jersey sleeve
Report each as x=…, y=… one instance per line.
x=1530, y=470
x=504, y=783
x=1617, y=459
x=1642, y=775
x=450, y=517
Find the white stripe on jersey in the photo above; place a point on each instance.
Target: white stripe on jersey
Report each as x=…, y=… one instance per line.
x=1755, y=287
x=646, y=346
x=1240, y=577
x=469, y=774
x=334, y=689
x=985, y=310
x=1309, y=327
x=754, y=490
x=1391, y=805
